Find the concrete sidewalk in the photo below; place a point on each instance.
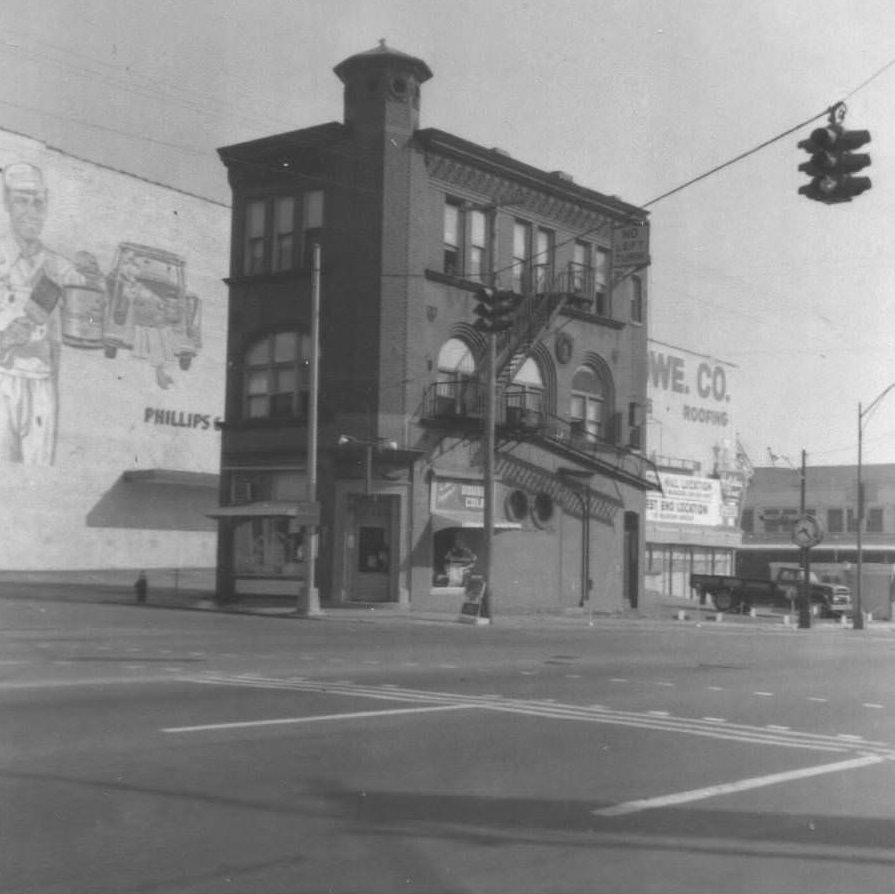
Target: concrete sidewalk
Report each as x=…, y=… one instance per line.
x=653, y=608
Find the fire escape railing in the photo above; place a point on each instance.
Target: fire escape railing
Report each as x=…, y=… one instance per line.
x=519, y=410
x=519, y=414
x=545, y=293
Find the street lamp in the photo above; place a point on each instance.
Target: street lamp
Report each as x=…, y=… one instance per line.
x=858, y=621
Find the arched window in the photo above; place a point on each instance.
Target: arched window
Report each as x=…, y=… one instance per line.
x=527, y=389
x=455, y=390
x=587, y=409
x=455, y=360
x=276, y=377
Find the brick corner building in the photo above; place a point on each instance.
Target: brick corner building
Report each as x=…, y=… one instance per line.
x=411, y=224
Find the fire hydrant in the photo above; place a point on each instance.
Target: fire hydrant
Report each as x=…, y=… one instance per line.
x=140, y=587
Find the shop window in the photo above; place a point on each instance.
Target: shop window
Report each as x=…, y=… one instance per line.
x=455, y=553
x=265, y=547
x=276, y=377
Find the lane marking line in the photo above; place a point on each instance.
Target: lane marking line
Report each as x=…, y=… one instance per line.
x=872, y=705
x=283, y=721
x=727, y=788
x=766, y=694
x=545, y=709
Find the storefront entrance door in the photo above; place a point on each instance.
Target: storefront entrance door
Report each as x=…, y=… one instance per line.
x=371, y=572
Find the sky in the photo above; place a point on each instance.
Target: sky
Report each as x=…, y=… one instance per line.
x=632, y=97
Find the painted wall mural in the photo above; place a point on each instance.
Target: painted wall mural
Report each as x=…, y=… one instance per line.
x=140, y=305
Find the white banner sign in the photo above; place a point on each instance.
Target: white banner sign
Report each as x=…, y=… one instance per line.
x=686, y=500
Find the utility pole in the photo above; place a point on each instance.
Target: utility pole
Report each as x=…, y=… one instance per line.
x=805, y=601
x=309, y=598
x=490, y=444
x=858, y=617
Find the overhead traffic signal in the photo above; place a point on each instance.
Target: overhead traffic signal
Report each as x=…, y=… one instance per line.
x=495, y=310
x=833, y=161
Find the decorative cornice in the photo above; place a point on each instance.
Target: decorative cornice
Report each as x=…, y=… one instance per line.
x=501, y=191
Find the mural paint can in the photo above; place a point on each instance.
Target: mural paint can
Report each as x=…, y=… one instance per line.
x=83, y=312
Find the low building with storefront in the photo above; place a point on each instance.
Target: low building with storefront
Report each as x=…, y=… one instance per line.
x=693, y=524
x=412, y=223
x=777, y=496
x=112, y=353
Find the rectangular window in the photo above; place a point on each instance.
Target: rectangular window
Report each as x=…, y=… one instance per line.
x=453, y=260
x=636, y=299
x=852, y=521
x=311, y=224
x=874, y=521
x=543, y=259
x=270, y=226
x=835, y=521
x=521, y=255
x=476, y=268
x=747, y=522
x=255, y=237
x=601, y=283
x=778, y=521
x=580, y=272
x=283, y=233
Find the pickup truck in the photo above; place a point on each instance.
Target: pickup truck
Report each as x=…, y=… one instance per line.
x=781, y=591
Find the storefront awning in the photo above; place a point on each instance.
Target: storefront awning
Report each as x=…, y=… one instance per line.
x=260, y=509
x=456, y=518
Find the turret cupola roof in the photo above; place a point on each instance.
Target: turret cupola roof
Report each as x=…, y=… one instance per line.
x=380, y=55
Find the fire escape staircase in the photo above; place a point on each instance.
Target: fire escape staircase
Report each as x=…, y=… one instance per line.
x=462, y=402
x=535, y=316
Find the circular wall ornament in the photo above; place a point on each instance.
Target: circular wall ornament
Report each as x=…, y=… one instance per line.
x=563, y=347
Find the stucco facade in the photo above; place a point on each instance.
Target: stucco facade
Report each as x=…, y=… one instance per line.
x=112, y=369
x=412, y=222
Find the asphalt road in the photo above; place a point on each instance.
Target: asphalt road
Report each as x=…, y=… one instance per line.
x=147, y=750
